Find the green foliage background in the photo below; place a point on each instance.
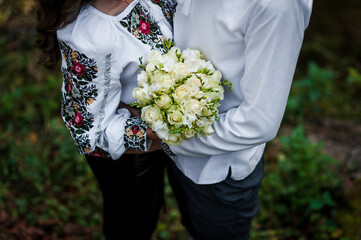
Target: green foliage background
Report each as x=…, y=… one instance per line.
x=47, y=189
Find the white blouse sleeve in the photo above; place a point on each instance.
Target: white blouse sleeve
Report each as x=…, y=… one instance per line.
x=91, y=91
x=273, y=41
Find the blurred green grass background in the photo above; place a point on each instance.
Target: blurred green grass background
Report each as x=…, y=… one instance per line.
x=312, y=187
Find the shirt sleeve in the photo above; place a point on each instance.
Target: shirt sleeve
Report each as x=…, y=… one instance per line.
x=90, y=98
x=273, y=40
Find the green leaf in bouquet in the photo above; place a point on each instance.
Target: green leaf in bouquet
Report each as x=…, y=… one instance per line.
x=168, y=44
x=227, y=82
x=141, y=65
x=205, y=71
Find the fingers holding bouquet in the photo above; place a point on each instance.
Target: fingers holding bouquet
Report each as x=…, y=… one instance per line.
x=136, y=112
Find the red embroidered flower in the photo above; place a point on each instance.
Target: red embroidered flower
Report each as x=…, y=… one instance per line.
x=135, y=130
x=68, y=86
x=78, y=119
x=96, y=154
x=78, y=68
x=144, y=27
x=156, y=1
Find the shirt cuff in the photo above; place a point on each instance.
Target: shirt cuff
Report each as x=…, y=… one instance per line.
x=167, y=149
x=135, y=136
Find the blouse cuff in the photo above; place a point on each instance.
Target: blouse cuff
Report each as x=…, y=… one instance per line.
x=167, y=149
x=135, y=136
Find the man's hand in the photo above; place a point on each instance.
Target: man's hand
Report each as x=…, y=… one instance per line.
x=156, y=145
x=136, y=112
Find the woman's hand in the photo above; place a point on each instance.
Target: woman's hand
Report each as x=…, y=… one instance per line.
x=133, y=111
x=152, y=135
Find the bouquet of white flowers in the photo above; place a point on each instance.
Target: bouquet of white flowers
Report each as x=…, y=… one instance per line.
x=178, y=93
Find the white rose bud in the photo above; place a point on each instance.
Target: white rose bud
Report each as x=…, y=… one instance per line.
x=217, y=94
x=216, y=77
x=175, y=117
x=181, y=93
x=165, y=82
x=193, y=106
x=189, y=133
x=208, y=82
x=206, y=112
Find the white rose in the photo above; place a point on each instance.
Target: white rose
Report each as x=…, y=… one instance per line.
x=138, y=93
x=189, y=133
x=165, y=82
x=203, y=121
x=193, y=106
x=181, y=93
x=150, y=114
x=194, y=92
x=155, y=57
x=175, y=117
x=207, y=130
x=164, y=101
x=174, y=139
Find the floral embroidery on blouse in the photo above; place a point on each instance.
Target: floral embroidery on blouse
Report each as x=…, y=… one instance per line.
x=168, y=7
x=98, y=152
x=78, y=93
x=141, y=25
x=135, y=134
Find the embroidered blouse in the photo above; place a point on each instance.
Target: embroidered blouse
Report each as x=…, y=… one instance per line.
x=100, y=58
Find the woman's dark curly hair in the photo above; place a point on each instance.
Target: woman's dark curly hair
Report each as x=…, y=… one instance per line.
x=53, y=15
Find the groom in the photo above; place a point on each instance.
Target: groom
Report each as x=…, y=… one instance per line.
x=255, y=44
